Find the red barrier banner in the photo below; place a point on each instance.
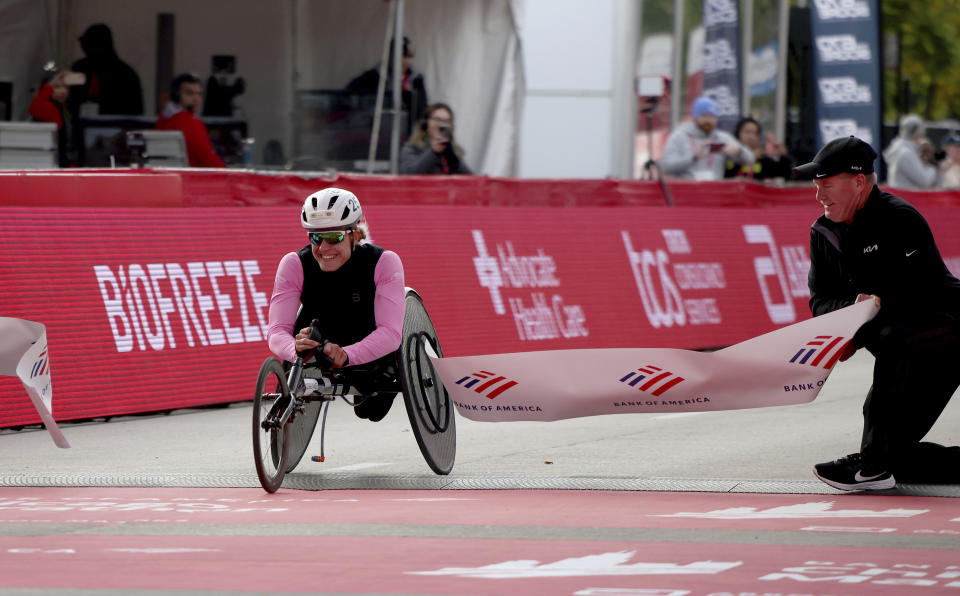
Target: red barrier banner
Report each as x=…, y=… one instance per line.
x=196, y=187
x=92, y=188
x=155, y=308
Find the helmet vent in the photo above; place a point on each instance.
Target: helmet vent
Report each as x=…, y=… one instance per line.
x=346, y=212
x=314, y=202
x=303, y=215
x=333, y=200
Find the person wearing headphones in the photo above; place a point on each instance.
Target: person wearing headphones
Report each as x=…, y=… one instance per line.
x=354, y=289
x=431, y=149
x=186, y=99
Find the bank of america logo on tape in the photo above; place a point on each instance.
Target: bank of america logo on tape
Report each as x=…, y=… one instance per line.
x=42, y=364
x=822, y=351
x=489, y=382
x=653, y=377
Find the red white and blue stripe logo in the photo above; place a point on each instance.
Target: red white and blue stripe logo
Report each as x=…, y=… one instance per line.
x=653, y=377
x=42, y=365
x=823, y=350
x=489, y=382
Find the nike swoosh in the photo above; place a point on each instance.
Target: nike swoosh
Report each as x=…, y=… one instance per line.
x=911, y=252
x=860, y=478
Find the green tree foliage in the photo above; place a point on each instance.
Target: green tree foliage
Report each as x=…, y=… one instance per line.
x=929, y=36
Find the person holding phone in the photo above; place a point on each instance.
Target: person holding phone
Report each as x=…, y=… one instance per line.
x=431, y=148
x=50, y=105
x=772, y=159
x=698, y=150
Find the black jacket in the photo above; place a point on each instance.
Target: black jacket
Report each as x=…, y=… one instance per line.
x=414, y=100
x=417, y=157
x=111, y=82
x=888, y=251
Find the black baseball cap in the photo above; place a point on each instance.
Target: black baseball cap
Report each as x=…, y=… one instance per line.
x=846, y=155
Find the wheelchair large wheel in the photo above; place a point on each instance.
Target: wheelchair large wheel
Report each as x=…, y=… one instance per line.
x=301, y=431
x=271, y=442
x=428, y=403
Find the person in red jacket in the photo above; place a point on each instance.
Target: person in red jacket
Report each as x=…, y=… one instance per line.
x=50, y=105
x=186, y=99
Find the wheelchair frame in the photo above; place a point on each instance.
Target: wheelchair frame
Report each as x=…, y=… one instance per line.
x=284, y=421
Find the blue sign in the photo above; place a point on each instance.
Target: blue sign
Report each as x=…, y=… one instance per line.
x=846, y=69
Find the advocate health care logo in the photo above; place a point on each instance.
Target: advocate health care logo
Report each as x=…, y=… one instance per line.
x=542, y=316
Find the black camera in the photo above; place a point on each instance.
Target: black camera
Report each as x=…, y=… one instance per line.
x=445, y=132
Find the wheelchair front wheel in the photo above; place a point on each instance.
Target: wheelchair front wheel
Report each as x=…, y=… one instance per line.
x=271, y=436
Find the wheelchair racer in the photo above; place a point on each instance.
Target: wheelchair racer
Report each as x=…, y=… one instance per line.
x=356, y=291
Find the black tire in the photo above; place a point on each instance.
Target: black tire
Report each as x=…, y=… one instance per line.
x=271, y=445
x=428, y=404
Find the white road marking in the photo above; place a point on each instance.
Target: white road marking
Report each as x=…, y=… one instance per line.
x=360, y=466
x=678, y=415
x=433, y=499
x=163, y=551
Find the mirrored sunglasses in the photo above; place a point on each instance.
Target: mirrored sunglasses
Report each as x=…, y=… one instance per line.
x=334, y=237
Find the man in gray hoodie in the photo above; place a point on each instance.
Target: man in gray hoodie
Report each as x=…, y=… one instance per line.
x=699, y=150
x=906, y=167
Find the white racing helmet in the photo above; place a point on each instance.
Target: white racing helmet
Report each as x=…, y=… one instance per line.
x=331, y=208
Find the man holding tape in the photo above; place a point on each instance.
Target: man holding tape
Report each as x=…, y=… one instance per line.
x=869, y=244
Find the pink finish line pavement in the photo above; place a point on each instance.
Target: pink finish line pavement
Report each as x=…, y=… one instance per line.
x=477, y=542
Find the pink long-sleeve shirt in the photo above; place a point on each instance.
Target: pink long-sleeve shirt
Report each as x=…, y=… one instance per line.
x=388, y=309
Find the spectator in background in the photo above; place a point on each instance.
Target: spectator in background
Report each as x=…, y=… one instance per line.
x=431, y=148
x=110, y=82
x=413, y=94
x=50, y=105
x=950, y=167
x=770, y=160
x=907, y=167
x=223, y=86
x=186, y=99
x=698, y=150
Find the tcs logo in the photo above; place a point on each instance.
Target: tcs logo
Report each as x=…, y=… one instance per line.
x=658, y=292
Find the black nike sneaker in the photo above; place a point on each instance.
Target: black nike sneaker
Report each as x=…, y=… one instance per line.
x=849, y=473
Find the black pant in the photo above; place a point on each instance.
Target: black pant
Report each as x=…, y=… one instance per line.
x=378, y=383
x=915, y=375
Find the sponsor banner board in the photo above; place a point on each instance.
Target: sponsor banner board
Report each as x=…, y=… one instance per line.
x=721, y=59
x=156, y=308
x=846, y=59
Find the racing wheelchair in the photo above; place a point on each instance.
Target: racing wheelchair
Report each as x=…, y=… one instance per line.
x=286, y=411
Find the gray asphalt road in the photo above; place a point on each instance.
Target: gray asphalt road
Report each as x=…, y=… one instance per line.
x=213, y=446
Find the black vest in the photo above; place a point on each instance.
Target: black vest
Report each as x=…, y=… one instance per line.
x=343, y=299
